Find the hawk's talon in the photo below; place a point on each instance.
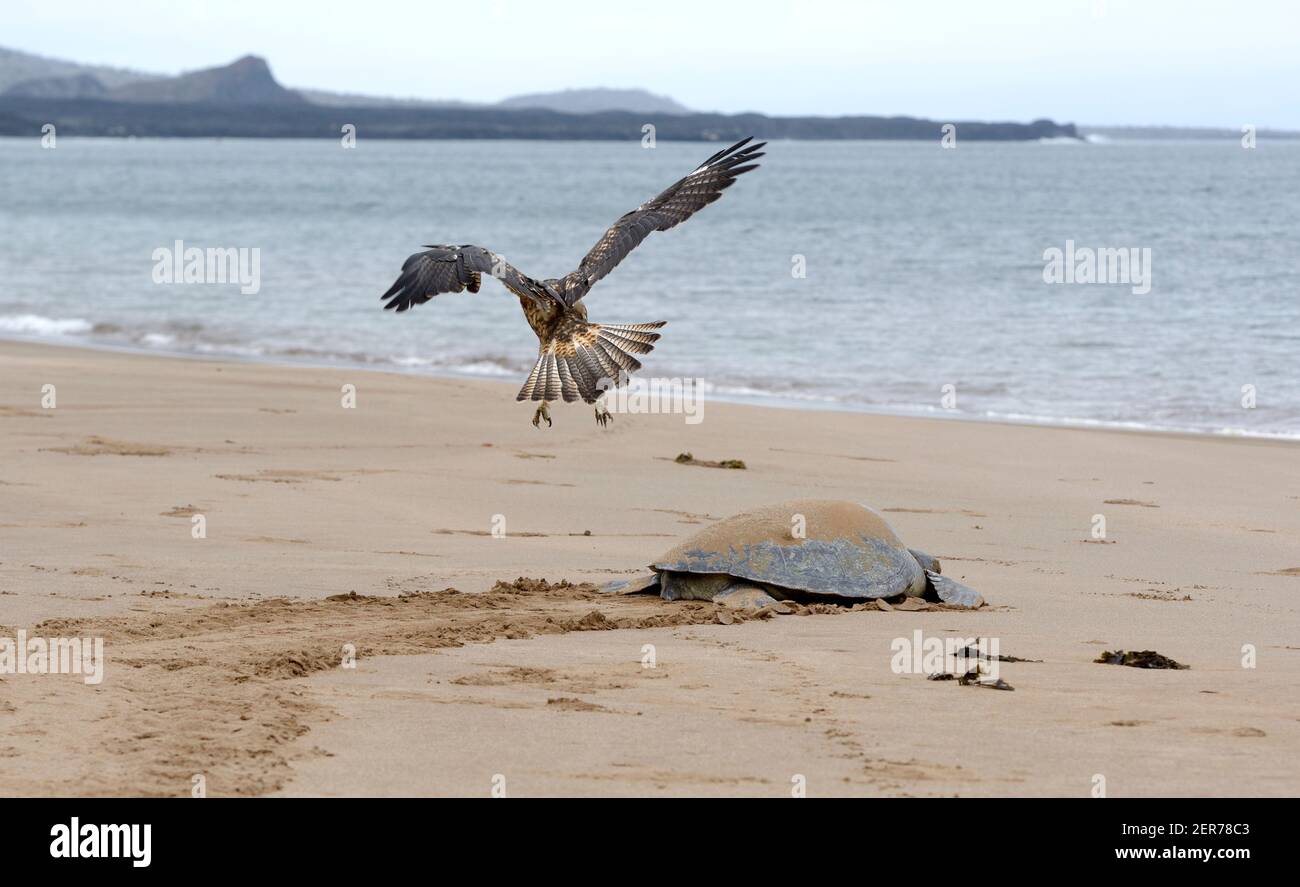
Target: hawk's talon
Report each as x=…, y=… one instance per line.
x=603, y=418
x=542, y=413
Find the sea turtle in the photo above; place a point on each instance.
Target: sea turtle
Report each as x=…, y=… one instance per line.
x=807, y=550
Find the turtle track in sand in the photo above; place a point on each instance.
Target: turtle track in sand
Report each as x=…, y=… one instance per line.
x=215, y=688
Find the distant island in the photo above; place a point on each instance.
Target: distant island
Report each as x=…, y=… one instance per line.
x=244, y=100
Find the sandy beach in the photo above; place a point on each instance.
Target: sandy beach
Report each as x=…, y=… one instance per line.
x=328, y=529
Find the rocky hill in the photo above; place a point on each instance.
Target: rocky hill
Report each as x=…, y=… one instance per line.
x=246, y=81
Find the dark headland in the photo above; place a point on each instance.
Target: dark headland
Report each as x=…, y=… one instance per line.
x=244, y=100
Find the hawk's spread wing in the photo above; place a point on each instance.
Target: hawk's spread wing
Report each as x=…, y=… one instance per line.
x=674, y=206
x=451, y=269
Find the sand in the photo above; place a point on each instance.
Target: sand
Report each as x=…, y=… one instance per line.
x=225, y=654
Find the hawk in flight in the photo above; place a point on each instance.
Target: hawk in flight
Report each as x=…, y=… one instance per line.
x=575, y=358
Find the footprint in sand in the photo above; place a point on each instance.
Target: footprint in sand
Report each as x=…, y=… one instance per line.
x=288, y=476
x=688, y=517
x=518, y=533
x=1156, y=594
x=20, y=413
x=103, y=446
x=935, y=511
x=513, y=675
x=831, y=455
x=408, y=553
x=572, y=703
x=1285, y=571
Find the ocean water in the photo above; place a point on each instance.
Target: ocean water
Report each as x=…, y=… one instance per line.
x=924, y=266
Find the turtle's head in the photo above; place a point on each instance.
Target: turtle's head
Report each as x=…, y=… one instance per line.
x=927, y=561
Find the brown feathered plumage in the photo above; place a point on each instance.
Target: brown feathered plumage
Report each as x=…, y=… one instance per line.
x=576, y=359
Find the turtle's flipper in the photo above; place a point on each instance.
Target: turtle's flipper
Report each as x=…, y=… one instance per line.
x=645, y=584
x=950, y=591
x=679, y=586
x=927, y=561
x=744, y=596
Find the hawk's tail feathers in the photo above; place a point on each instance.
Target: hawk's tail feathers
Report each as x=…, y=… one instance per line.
x=596, y=358
x=639, y=338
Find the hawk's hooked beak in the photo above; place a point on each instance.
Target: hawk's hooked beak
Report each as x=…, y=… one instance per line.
x=554, y=294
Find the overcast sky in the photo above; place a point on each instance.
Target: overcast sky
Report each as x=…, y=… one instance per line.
x=1194, y=62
